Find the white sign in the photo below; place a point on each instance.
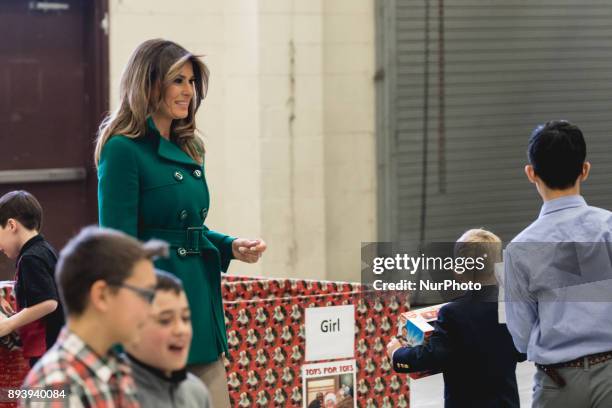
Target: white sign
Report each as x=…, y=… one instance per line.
x=330, y=332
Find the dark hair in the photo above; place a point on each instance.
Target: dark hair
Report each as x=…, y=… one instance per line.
x=99, y=254
x=167, y=282
x=23, y=207
x=557, y=152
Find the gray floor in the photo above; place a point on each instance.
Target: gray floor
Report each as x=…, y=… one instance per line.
x=429, y=392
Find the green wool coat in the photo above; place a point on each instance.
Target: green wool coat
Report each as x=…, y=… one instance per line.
x=149, y=188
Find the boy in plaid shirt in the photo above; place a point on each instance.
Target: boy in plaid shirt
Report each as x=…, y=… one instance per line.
x=106, y=282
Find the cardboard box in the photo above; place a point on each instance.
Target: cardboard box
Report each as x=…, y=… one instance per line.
x=415, y=328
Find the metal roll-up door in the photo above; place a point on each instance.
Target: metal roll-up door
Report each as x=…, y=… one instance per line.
x=473, y=78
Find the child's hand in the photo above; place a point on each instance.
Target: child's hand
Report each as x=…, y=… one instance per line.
x=393, y=345
x=5, y=327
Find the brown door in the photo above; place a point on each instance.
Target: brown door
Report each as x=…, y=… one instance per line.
x=52, y=94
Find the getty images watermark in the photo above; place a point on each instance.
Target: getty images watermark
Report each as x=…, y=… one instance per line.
x=433, y=272
x=436, y=272
x=410, y=264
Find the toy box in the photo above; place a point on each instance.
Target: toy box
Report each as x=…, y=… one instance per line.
x=415, y=328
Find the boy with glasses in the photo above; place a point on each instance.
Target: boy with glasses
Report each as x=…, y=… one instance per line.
x=106, y=282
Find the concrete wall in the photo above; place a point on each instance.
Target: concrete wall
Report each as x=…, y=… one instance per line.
x=349, y=129
x=288, y=120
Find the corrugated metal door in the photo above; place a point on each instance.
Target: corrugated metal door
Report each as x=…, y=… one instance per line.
x=464, y=83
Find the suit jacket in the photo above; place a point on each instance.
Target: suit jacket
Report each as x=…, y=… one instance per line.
x=475, y=353
x=149, y=188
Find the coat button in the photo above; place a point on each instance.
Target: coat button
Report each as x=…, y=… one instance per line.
x=183, y=215
x=178, y=176
x=197, y=173
x=204, y=213
x=182, y=252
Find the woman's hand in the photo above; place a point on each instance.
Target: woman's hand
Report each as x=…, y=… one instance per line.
x=248, y=250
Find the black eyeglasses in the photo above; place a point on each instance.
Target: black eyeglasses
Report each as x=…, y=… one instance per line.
x=147, y=294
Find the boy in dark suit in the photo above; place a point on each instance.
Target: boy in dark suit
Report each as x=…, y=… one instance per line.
x=474, y=351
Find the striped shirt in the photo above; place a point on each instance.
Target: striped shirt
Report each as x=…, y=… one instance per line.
x=87, y=379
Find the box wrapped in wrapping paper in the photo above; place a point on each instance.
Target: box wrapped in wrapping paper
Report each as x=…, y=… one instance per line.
x=10, y=341
x=415, y=327
x=13, y=366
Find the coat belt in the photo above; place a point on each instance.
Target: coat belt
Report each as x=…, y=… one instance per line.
x=187, y=241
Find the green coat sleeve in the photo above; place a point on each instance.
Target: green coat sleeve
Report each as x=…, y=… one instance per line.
x=118, y=186
x=224, y=245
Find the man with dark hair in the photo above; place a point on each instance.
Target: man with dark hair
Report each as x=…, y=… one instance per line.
x=39, y=316
x=106, y=282
x=557, y=153
x=558, y=278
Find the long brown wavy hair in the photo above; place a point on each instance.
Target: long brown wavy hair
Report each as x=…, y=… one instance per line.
x=155, y=63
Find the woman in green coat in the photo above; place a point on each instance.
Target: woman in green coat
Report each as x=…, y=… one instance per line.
x=152, y=184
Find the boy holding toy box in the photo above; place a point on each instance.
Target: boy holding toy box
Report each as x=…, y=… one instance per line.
x=467, y=344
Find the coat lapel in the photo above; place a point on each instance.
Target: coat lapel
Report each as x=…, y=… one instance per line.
x=169, y=150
